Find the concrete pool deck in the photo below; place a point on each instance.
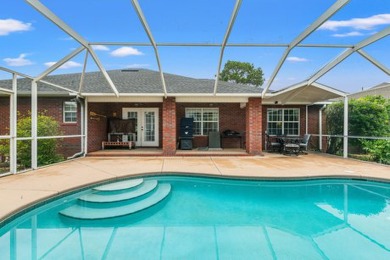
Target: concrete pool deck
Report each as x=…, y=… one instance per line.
x=26, y=189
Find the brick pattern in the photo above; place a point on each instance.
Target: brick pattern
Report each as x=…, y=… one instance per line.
x=231, y=117
x=254, y=126
x=51, y=107
x=169, y=126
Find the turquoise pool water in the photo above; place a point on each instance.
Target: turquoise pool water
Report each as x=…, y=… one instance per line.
x=205, y=218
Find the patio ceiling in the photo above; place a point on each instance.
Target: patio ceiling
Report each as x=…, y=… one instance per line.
x=303, y=93
x=155, y=33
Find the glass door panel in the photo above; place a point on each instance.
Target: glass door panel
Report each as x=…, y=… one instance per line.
x=146, y=125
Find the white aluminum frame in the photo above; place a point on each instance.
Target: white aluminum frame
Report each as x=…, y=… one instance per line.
x=87, y=46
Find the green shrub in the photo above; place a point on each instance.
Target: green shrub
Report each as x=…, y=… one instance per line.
x=47, y=148
x=379, y=150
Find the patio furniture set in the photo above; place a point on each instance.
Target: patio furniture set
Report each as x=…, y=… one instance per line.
x=287, y=144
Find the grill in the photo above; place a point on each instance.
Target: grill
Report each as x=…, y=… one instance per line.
x=186, y=133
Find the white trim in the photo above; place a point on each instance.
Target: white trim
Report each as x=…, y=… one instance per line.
x=345, y=139
x=65, y=112
x=132, y=99
x=188, y=99
x=283, y=121
x=202, y=109
x=13, y=125
x=86, y=118
x=34, y=125
x=303, y=85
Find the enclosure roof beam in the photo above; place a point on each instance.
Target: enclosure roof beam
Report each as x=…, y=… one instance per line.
x=225, y=39
x=17, y=73
x=348, y=52
x=322, y=19
x=59, y=87
x=67, y=29
x=52, y=17
x=208, y=44
x=60, y=63
x=6, y=90
x=142, y=18
x=374, y=61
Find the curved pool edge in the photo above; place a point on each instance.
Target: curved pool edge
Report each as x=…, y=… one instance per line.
x=17, y=204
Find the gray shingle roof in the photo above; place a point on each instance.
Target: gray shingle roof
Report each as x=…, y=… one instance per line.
x=382, y=89
x=140, y=81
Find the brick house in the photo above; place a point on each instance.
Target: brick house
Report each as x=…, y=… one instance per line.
x=241, y=108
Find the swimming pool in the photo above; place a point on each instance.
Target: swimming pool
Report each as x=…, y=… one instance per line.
x=208, y=218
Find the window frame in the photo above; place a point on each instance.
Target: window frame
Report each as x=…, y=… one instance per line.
x=202, y=121
x=283, y=121
x=65, y=112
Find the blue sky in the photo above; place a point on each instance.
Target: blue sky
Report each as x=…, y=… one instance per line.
x=29, y=43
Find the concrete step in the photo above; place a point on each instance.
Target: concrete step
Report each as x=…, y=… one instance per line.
x=138, y=191
x=82, y=212
x=117, y=186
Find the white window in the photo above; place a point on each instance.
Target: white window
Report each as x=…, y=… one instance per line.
x=70, y=112
x=205, y=120
x=283, y=121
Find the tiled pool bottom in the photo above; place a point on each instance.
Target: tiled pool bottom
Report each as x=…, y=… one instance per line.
x=204, y=218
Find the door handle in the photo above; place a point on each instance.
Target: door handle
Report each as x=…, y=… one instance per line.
x=142, y=128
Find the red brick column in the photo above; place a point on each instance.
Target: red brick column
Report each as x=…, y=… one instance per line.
x=169, y=126
x=254, y=127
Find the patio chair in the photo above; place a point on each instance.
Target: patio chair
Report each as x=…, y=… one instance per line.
x=272, y=146
x=304, y=143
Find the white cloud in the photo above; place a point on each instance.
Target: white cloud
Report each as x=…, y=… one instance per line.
x=100, y=48
x=8, y=26
x=125, y=51
x=19, y=61
x=358, y=23
x=350, y=34
x=66, y=65
x=296, y=59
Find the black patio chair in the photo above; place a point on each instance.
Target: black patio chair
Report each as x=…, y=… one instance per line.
x=273, y=146
x=304, y=143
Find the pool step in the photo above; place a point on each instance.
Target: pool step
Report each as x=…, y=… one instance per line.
x=82, y=212
x=117, y=186
x=140, y=190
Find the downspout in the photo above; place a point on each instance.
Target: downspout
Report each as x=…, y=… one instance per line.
x=320, y=127
x=82, y=116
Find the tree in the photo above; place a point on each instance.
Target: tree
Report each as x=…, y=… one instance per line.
x=242, y=72
x=47, y=148
x=368, y=116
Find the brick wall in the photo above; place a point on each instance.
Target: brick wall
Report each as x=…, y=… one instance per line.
x=169, y=126
x=231, y=117
x=254, y=126
x=51, y=107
